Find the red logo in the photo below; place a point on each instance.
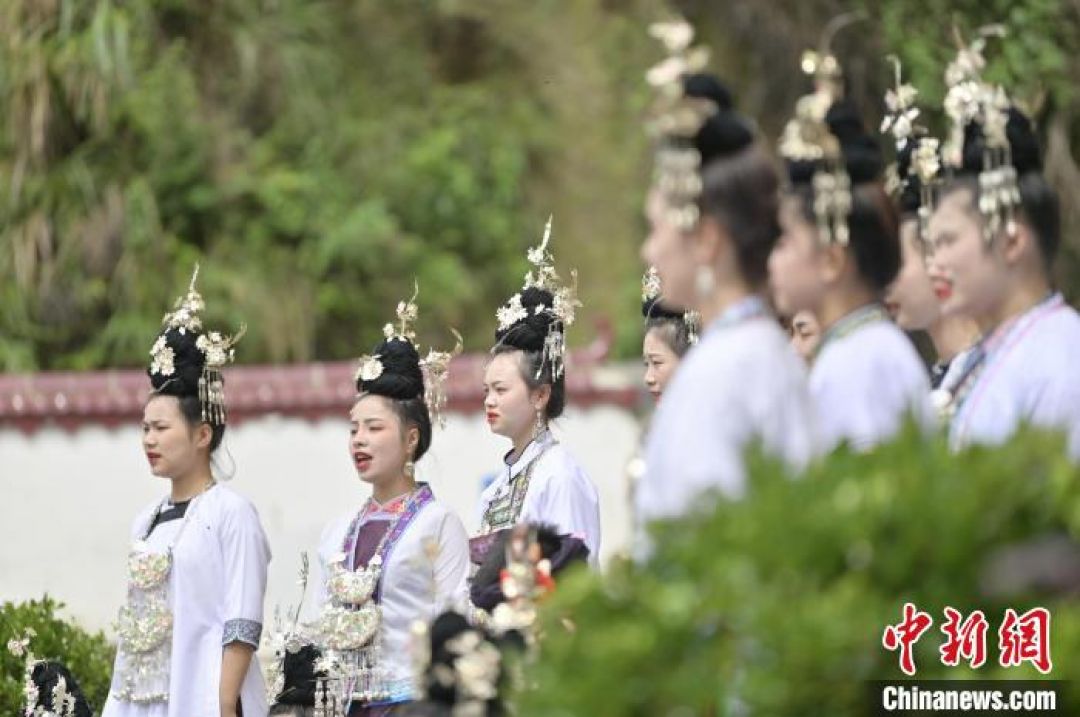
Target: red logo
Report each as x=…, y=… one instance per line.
x=1021, y=638
x=1026, y=639
x=966, y=640
x=905, y=634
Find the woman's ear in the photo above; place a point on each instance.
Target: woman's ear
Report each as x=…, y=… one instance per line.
x=540, y=397
x=412, y=440
x=834, y=261
x=707, y=241
x=204, y=434
x=1018, y=244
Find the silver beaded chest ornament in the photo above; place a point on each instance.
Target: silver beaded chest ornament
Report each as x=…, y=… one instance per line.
x=347, y=629
x=145, y=623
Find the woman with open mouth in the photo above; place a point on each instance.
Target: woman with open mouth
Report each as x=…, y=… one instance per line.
x=402, y=556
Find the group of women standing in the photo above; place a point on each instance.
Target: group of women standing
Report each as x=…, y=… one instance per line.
x=964, y=253
x=962, y=248
x=198, y=564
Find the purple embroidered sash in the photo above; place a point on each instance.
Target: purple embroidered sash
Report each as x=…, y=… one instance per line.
x=416, y=503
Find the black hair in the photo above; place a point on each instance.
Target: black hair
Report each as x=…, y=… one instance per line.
x=669, y=324
x=46, y=676
x=873, y=222
x=739, y=180
x=183, y=383
x=673, y=332
x=1040, y=207
x=402, y=384
x=191, y=410
x=742, y=193
x=909, y=198
x=528, y=335
x=442, y=695
x=561, y=549
x=297, y=696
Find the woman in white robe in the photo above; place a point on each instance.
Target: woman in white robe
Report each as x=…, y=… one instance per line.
x=1023, y=368
x=742, y=383
x=540, y=481
x=197, y=570
x=409, y=551
x=866, y=376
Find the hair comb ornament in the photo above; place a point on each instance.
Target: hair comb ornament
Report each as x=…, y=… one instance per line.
x=652, y=292
x=970, y=99
x=925, y=162
x=217, y=350
x=561, y=312
x=807, y=138
x=434, y=368
x=674, y=119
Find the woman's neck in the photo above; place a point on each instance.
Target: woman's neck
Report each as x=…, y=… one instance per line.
x=189, y=485
x=385, y=491
x=839, y=302
x=951, y=335
x=722, y=299
x=1026, y=296
x=521, y=443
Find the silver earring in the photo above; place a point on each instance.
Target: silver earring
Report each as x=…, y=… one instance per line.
x=541, y=425
x=704, y=282
x=410, y=468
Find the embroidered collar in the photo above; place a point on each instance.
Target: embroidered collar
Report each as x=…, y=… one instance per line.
x=852, y=322
x=534, y=449
x=750, y=307
x=392, y=507
x=978, y=372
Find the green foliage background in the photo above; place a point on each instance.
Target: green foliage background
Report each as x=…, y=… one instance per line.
x=88, y=656
x=317, y=155
x=777, y=602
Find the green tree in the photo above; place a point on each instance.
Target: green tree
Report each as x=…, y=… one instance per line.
x=88, y=656
x=779, y=601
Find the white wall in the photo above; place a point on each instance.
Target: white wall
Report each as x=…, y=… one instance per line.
x=67, y=499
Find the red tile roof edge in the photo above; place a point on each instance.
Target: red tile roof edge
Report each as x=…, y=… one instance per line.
x=313, y=391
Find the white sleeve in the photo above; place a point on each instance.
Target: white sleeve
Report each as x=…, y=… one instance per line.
x=246, y=555
x=330, y=543
x=451, y=567
x=569, y=503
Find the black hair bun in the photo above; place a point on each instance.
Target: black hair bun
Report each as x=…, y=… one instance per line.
x=862, y=153
x=725, y=132
x=298, y=669
x=910, y=195
x=45, y=676
x=529, y=333
x=401, y=377
x=654, y=309
x=188, y=362
x=1023, y=144
x=562, y=550
x=863, y=160
x=446, y=650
